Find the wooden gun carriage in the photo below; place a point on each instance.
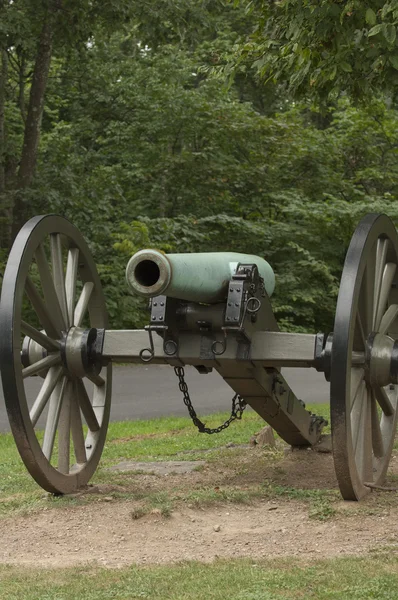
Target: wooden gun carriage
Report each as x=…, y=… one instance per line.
x=208, y=310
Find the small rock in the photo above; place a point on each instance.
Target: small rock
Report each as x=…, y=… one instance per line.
x=217, y=528
x=272, y=508
x=108, y=499
x=264, y=438
x=324, y=444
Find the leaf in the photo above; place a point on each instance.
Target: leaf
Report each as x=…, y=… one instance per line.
x=394, y=61
x=370, y=17
x=333, y=73
x=387, y=8
x=375, y=30
x=389, y=32
x=346, y=67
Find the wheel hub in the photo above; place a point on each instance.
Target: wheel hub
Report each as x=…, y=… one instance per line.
x=381, y=360
x=81, y=351
x=31, y=352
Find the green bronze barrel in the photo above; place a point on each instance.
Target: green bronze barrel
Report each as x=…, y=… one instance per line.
x=201, y=277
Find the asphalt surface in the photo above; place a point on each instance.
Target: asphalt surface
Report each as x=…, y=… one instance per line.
x=145, y=392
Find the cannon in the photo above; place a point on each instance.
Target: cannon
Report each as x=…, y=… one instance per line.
x=211, y=311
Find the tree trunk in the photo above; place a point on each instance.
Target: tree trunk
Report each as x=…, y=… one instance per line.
x=21, y=87
x=4, y=209
x=33, y=123
x=3, y=84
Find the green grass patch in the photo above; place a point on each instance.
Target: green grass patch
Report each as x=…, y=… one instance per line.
x=171, y=438
x=285, y=579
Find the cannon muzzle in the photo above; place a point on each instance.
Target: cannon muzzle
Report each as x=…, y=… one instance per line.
x=202, y=277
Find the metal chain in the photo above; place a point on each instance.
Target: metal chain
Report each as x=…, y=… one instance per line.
x=238, y=406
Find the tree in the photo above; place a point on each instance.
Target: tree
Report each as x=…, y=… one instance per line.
x=321, y=48
x=30, y=35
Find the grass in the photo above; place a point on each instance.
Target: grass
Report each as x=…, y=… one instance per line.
x=238, y=480
x=164, y=439
x=284, y=579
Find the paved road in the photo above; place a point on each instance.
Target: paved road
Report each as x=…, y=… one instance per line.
x=144, y=392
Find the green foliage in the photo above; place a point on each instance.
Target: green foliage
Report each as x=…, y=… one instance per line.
x=141, y=146
x=321, y=48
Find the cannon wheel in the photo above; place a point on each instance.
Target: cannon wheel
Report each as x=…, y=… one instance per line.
x=50, y=284
x=363, y=414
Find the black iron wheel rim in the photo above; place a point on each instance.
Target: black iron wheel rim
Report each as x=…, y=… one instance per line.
x=356, y=295
x=28, y=240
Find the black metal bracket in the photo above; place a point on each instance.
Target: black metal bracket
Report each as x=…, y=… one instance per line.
x=323, y=353
x=163, y=322
x=241, y=302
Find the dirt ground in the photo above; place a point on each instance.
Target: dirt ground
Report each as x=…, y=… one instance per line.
x=103, y=530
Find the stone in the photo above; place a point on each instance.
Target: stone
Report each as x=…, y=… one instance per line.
x=324, y=444
x=264, y=438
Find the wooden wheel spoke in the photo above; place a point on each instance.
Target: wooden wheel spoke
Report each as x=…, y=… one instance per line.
x=357, y=376
x=356, y=415
x=64, y=430
x=82, y=303
x=388, y=318
x=54, y=410
x=77, y=430
x=359, y=334
x=50, y=381
x=381, y=258
x=388, y=276
x=86, y=406
x=39, y=337
x=58, y=274
x=366, y=299
x=50, y=295
x=72, y=266
x=384, y=401
x=377, y=438
x=363, y=442
x=41, y=365
x=41, y=310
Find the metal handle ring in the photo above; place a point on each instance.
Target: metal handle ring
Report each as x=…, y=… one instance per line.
x=148, y=357
x=223, y=347
x=151, y=350
x=256, y=305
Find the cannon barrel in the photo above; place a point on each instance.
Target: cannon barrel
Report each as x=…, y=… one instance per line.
x=201, y=277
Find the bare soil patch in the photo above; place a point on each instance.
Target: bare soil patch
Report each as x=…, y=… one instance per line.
x=102, y=529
